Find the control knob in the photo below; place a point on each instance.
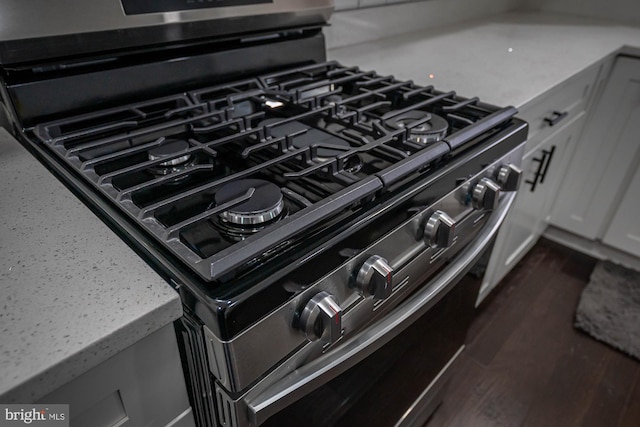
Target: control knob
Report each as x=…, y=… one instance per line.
x=439, y=230
x=509, y=177
x=321, y=318
x=375, y=278
x=486, y=194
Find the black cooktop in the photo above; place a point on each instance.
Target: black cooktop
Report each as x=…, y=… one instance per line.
x=228, y=176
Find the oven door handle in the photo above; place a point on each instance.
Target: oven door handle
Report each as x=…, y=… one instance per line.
x=261, y=404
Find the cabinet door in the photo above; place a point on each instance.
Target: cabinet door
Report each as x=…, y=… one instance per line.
x=543, y=170
x=141, y=386
x=624, y=231
x=601, y=165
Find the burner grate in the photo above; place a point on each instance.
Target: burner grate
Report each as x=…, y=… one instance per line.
x=321, y=134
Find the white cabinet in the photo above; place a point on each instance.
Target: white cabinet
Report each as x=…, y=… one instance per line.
x=142, y=385
x=543, y=169
x=604, y=164
x=624, y=231
x=555, y=122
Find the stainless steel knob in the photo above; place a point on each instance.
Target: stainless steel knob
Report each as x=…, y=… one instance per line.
x=321, y=318
x=509, y=177
x=439, y=230
x=486, y=194
x=375, y=278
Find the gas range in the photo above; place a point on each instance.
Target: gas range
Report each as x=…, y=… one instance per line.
x=250, y=183
x=298, y=206
x=229, y=176
x=233, y=177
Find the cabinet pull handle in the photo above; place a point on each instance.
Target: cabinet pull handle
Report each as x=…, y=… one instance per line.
x=543, y=168
x=556, y=117
x=534, y=182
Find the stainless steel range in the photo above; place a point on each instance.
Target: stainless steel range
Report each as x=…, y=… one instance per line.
x=318, y=220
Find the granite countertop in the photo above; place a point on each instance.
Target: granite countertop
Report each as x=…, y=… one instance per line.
x=72, y=292
x=507, y=59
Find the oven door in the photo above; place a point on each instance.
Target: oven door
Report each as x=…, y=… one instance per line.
x=393, y=372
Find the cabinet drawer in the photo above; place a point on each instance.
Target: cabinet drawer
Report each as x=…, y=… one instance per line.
x=558, y=106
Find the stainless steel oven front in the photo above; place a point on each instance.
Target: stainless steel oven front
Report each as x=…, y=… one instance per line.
x=390, y=361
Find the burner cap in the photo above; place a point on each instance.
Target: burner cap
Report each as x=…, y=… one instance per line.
x=335, y=101
x=169, y=148
x=265, y=204
x=310, y=137
x=433, y=129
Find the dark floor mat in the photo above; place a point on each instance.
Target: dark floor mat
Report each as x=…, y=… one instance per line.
x=609, y=307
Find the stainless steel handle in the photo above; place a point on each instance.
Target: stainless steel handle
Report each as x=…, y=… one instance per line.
x=323, y=369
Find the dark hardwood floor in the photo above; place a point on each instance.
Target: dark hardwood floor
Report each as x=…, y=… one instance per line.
x=526, y=365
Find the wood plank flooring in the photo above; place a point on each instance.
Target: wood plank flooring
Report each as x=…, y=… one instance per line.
x=525, y=364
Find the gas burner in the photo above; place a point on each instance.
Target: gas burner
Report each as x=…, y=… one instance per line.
x=334, y=100
x=318, y=91
x=306, y=136
x=265, y=204
x=171, y=148
x=432, y=129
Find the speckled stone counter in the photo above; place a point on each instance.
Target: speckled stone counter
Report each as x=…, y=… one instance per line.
x=72, y=293
x=507, y=59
